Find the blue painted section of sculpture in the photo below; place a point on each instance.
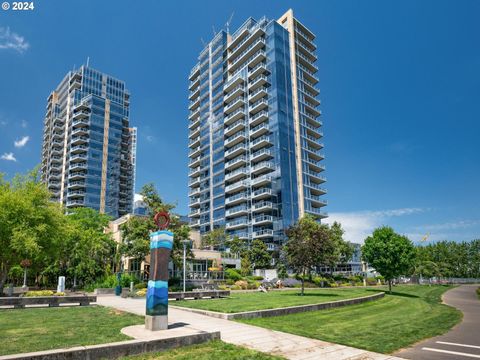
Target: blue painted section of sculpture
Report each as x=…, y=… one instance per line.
x=161, y=244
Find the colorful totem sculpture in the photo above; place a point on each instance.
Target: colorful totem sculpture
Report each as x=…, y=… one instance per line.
x=161, y=243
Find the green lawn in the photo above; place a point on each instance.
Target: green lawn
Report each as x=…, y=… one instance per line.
x=27, y=330
x=213, y=350
x=238, y=302
x=410, y=314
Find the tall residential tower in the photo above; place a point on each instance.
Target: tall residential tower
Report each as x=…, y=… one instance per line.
x=255, y=140
x=88, y=148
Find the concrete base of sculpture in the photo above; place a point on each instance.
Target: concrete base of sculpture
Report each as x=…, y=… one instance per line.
x=155, y=323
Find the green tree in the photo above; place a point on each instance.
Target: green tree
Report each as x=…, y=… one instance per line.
x=309, y=244
x=31, y=226
x=237, y=246
x=389, y=253
x=89, y=250
x=258, y=255
x=136, y=231
x=215, y=238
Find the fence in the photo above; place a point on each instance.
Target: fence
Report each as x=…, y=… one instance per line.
x=198, y=275
x=445, y=281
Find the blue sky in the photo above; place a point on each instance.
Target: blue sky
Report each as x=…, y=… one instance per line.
x=399, y=81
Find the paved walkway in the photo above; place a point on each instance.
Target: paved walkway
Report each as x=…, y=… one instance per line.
x=463, y=341
x=260, y=339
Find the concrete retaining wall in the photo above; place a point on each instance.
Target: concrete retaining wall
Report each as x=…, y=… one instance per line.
x=285, y=310
x=117, y=349
x=51, y=301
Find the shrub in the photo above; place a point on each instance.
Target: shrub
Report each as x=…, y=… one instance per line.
x=233, y=275
x=39, y=293
x=60, y=293
x=223, y=287
x=242, y=284
x=140, y=286
x=141, y=292
x=235, y=287
x=318, y=280
x=259, y=278
x=333, y=285
x=230, y=282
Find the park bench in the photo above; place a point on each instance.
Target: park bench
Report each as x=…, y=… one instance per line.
x=51, y=301
x=198, y=294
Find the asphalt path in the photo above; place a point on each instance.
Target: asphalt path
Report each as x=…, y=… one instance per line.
x=460, y=343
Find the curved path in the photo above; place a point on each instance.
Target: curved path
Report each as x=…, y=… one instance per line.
x=463, y=341
x=275, y=342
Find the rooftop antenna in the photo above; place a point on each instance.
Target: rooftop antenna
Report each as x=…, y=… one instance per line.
x=227, y=24
x=88, y=60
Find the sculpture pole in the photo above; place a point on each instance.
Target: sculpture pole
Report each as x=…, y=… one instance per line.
x=161, y=244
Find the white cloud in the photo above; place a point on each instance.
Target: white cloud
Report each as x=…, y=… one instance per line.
x=13, y=41
x=137, y=197
x=358, y=225
x=22, y=142
x=8, y=157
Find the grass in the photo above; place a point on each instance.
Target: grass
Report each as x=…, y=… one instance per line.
x=36, y=329
x=238, y=302
x=213, y=350
x=410, y=314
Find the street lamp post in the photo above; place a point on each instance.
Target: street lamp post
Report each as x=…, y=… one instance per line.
x=184, y=242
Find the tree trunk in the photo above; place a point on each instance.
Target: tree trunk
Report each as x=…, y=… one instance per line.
x=3, y=278
x=390, y=286
x=303, y=282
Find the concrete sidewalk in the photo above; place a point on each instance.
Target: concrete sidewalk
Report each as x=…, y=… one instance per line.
x=275, y=342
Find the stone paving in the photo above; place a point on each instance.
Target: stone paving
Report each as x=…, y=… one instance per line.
x=275, y=342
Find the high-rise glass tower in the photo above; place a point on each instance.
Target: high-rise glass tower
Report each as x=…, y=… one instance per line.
x=255, y=140
x=88, y=153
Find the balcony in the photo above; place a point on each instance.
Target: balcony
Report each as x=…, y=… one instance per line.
x=235, y=127
x=194, y=84
x=195, y=171
x=236, y=211
x=258, y=69
x=75, y=203
x=236, y=224
x=245, y=43
x=78, y=158
x=257, y=106
x=194, y=213
x=260, y=80
x=260, y=155
x=77, y=166
x=263, y=193
x=194, y=133
x=316, y=200
x=194, y=182
x=314, y=165
x=236, y=199
x=232, y=81
x=194, y=114
x=259, y=130
x=195, y=202
x=263, y=167
x=235, y=151
x=235, y=163
x=235, y=139
x=234, y=116
x=308, y=53
x=260, y=142
x=259, y=118
x=194, y=72
x=262, y=206
x=238, y=90
x=247, y=54
x=76, y=194
x=261, y=234
x=238, y=186
x=195, y=223
x=195, y=152
x=256, y=58
x=193, y=143
x=262, y=180
x=257, y=94
x=194, y=104
x=194, y=192
x=315, y=189
x=81, y=114
x=78, y=175
x=73, y=185
x=194, y=93
x=80, y=131
x=195, y=162
x=316, y=212
x=239, y=102
x=237, y=175
x=262, y=220
x=304, y=60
